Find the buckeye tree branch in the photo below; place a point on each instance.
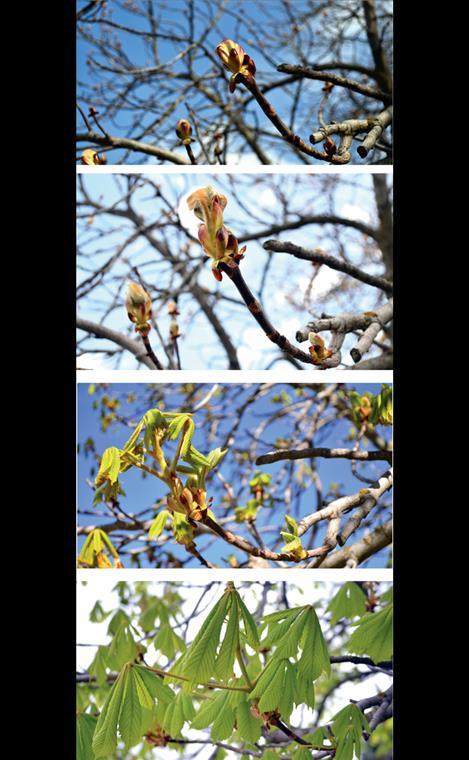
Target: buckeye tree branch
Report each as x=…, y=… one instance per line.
x=320, y=257
x=324, y=76
x=100, y=331
x=133, y=145
x=290, y=454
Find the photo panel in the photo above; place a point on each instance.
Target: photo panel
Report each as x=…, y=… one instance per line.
x=279, y=670
x=251, y=83
x=234, y=271
x=266, y=475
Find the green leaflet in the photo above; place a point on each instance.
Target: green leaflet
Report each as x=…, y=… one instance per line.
x=105, y=735
x=227, y=653
x=130, y=716
x=315, y=658
x=99, y=664
x=199, y=659
x=249, y=727
x=178, y=712
x=269, y=687
x=110, y=466
x=373, y=635
x=349, y=602
x=215, y=456
x=209, y=711
x=347, y=726
x=250, y=628
x=302, y=753
x=155, y=685
x=153, y=420
x=223, y=724
x=130, y=444
x=144, y=697
x=274, y=617
x=285, y=704
x=195, y=458
x=288, y=646
x=120, y=618
x=304, y=691
x=158, y=524
x=86, y=725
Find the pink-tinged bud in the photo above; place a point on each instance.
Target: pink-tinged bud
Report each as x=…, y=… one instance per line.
x=184, y=131
x=173, y=308
x=201, y=202
x=138, y=305
x=89, y=157
x=235, y=60
x=217, y=212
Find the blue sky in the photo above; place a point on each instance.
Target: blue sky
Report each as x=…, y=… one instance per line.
x=288, y=279
x=313, y=39
x=141, y=493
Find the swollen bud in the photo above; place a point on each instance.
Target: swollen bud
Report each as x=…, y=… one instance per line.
x=184, y=131
x=318, y=349
x=138, y=305
x=90, y=157
x=235, y=60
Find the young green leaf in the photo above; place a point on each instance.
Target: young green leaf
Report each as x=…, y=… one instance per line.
x=227, y=653
x=315, y=658
x=99, y=665
x=86, y=725
x=373, y=635
x=347, y=726
x=158, y=524
x=199, y=658
x=155, y=686
x=349, y=602
x=105, y=735
x=110, y=466
x=215, y=456
x=209, y=710
x=250, y=629
x=130, y=716
x=249, y=727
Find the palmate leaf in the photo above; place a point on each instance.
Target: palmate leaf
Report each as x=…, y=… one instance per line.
x=373, y=635
x=177, y=713
x=168, y=642
x=303, y=691
x=230, y=643
x=276, y=629
x=86, y=725
x=99, y=665
x=127, y=708
x=349, y=602
x=123, y=647
x=347, y=726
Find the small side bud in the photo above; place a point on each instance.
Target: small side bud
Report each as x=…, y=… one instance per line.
x=90, y=157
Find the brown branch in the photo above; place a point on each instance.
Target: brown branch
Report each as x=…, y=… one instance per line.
x=336, y=79
x=382, y=72
x=324, y=453
x=190, y=154
x=150, y=352
x=100, y=331
x=286, y=132
x=134, y=145
x=320, y=257
x=356, y=554
x=234, y=273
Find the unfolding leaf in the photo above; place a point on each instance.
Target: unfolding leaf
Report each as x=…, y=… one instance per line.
x=109, y=467
x=158, y=524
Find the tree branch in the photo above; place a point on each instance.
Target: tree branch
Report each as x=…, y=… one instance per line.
x=336, y=79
